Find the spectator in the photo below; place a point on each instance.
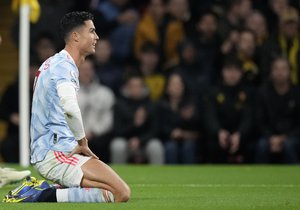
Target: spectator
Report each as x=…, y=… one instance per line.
x=256, y=22
x=230, y=42
x=134, y=126
x=228, y=116
x=158, y=29
x=190, y=69
x=96, y=104
x=9, y=112
x=286, y=44
x=179, y=9
x=207, y=42
x=148, y=66
x=44, y=47
x=273, y=13
x=117, y=20
x=235, y=15
x=109, y=73
x=278, y=116
x=179, y=122
x=246, y=49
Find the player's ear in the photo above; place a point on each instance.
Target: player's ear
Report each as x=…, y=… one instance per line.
x=75, y=36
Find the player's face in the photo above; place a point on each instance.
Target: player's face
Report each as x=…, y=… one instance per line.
x=87, y=38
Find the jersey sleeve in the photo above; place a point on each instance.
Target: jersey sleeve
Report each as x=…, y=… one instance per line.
x=66, y=73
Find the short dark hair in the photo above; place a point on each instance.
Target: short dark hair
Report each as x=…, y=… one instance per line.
x=149, y=47
x=134, y=74
x=44, y=35
x=73, y=20
x=232, y=3
x=232, y=61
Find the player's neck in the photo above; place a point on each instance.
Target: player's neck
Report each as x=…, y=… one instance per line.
x=75, y=54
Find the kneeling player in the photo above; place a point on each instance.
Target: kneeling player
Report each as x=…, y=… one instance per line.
x=59, y=149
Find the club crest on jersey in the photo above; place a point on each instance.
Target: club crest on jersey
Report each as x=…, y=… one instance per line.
x=74, y=77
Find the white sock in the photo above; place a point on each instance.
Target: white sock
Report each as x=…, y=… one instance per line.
x=88, y=195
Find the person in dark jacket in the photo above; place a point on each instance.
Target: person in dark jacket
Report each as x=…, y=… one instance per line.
x=134, y=126
x=278, y=114
x=179, y=125
x=228, y=116
x=108, y=71
x=117, y=20
x=284, y=43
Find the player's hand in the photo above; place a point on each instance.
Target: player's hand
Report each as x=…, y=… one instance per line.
x=83, y=148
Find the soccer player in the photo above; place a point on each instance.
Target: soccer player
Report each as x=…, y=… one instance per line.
x=59, y=148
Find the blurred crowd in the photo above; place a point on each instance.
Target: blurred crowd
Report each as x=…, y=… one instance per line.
x=180, y=81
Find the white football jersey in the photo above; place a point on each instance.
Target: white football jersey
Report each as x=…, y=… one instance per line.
x=49, y=129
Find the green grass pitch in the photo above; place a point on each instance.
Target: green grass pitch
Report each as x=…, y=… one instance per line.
x=195, y=187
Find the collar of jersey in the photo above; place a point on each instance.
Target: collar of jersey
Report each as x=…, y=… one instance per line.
x=68, y=54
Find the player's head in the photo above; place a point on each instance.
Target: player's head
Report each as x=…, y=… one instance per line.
x=78, y=29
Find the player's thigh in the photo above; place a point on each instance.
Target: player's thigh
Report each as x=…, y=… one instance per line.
x=96, y=172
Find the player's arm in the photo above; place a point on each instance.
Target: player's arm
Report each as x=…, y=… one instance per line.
x=68, y=99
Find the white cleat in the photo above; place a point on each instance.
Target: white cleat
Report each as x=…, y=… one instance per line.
x=9, y=175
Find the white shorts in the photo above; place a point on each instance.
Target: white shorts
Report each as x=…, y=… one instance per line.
x=61, y=169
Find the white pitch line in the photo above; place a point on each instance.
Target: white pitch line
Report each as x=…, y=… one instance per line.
x=220, y=185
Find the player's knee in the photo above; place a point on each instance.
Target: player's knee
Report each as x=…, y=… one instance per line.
x=124, y=194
